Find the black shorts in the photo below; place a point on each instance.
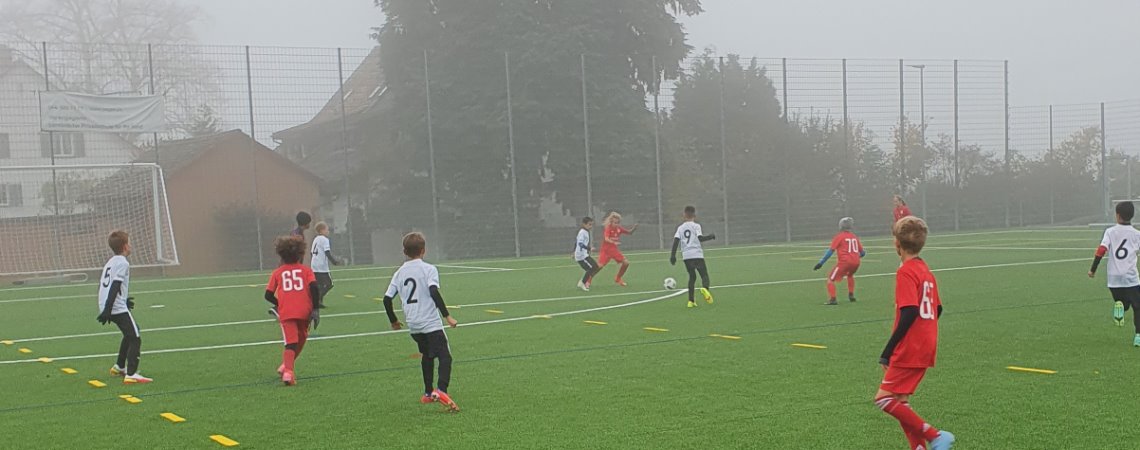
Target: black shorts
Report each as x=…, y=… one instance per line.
x=432, y=344
x=588, y=264
x=324, y=282
x=1128, y=295
x=695, y=264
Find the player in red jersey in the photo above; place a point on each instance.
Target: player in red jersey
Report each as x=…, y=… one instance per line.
x=611, y=239
x=850, y=250
x=292, y=289
x=914, y=342
x=901, y=210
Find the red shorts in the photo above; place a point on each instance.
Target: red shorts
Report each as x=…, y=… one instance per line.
x=609, y=253
x=902, y=380
x=294, y=331
x=843, y=269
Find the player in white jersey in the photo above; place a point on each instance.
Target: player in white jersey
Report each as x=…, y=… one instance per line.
x=321, y=258
x=417, y=284
x=689, y=238
x=582, y=254
x=115, y=306
x=1122, y=242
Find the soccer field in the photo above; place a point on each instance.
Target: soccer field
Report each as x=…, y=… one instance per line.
x=539, y=364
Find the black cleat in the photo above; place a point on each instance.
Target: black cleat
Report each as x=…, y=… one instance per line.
x=831, y=302
x=851, y=298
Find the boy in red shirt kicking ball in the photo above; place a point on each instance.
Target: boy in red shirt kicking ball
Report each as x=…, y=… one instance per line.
x=292, y=290
x=914, y=342
x=610, y=242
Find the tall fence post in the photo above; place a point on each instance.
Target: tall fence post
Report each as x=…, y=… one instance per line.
x=723, y=154
x=511, y=148
x=431, y=152
x=787, y=182
x=586, y=140
x=903, y=185
x=1052, y=189
x=657, y=154
x=1008, y=168
x=58, y=256
x=957, y=172
x=847, y=160
x=253, y=158
x=1104, y=167
x=154, y=174
x=344, y=145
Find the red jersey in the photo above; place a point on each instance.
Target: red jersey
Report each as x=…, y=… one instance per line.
x=901, y=211
x=915, y=286
x=847, y=246
x=613, y=233
x=290, y=284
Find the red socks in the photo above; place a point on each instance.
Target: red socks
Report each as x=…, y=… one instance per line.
x=911, y=423
x=830, y=289
x=287, y=359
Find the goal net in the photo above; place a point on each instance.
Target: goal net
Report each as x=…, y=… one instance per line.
x=56, y=219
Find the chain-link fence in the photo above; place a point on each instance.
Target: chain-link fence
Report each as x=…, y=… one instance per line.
x=501, y=155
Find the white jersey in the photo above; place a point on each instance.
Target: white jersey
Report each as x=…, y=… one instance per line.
x=1122, y=243
x=688, y=233
x=117, y=269
x=320, y=260
x=582, y=245
x=412, y=282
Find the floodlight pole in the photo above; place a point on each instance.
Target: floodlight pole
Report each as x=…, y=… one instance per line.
x=922, y=132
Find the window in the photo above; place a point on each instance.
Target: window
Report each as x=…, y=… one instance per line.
x=63, y=145
x=11, y=195
x=5, y=146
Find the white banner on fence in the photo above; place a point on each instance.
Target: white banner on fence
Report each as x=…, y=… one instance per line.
x=70, y=111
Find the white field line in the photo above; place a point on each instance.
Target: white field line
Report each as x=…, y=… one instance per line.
x=552, y=299
x=356, y=335
x=491, y=269
x=1088, y=249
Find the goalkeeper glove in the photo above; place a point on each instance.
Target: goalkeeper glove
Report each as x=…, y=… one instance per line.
x=817, y=266
x=104, y=317
x=315, y=318
x=130, y=303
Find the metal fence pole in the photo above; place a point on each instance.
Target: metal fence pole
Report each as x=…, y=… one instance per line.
x=1104, y=166
x=155, y=179
x=253, y=157
x=58, y=257
x=431, y=153
x=344, y=147
x=511, y=147
x=1008, y=168
x=847, y=166
x=723, y=154
x=957, y=172
x=787, y=182
x=902, y=131
x=586, y=140
x=657, y=154
x=1052, y=189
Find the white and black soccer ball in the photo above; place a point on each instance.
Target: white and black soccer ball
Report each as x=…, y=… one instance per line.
x=670, y=283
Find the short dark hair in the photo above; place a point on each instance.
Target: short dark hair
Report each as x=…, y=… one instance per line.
x=118, y=241
x=414, y=244
x=291, y=249
x=304, y=219
x=690, y=211
x=1126, y=210
x=587, y=219
x=911, y=233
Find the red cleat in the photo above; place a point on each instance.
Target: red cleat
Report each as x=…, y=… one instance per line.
x=427, y=398
x=620, y=282
x=445, y=400
x=288, y=378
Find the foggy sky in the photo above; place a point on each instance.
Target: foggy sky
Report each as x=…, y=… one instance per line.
x=1059, y=51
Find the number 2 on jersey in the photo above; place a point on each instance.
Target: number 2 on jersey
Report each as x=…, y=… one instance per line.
x=412, y=294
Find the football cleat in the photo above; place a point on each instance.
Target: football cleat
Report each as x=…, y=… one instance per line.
x=620, y=282
x=1118, y=313
x=692, y=304
x=445, y=399
x=707, y=295
x=289, y=378
x=1136, y=341
x=136, y=379
x=117, y=371
x=944, y=441
x=427, y=398
x=831, y=302
x=851, y=298
x=583, y=286
x=281, y=370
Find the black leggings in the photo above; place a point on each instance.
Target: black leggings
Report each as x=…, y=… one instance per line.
x=131, y=345
x=693, y=266
x=1130, y=297
x=591, y=268
x=434, y=345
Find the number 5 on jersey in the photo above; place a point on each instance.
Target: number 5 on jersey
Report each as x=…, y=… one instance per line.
x=291, y=281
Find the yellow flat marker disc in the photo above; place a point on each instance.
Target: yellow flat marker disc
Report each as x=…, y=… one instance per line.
x=69, y=371
x=97, y=383
x=656, y=330
x=25, y=350
x=350, y=296
x=44, y=360
x=1031, y=370
x=595, y=322
x=725, y=336
x=133, y=400
x=492, y=311
x=173, y=418
x=7, y=342
x=225, y=441
x=811, y=346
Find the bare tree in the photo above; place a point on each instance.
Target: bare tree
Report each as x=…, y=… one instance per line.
x=115, y=47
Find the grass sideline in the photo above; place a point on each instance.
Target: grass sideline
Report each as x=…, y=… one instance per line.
x=1013, y=298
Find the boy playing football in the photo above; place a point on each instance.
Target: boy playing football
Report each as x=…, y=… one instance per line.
x=582, y=254
x=1123, y=241
x=423, y=315
x=611, y=239
x=321, y=258
x=689, y=239
x=850, y=250
x=914, y=342
x=115, y=306
x=293, y=291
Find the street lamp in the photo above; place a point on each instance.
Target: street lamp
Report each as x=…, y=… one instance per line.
x=922, y=131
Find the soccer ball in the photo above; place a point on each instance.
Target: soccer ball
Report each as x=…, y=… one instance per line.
x=670, y=283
